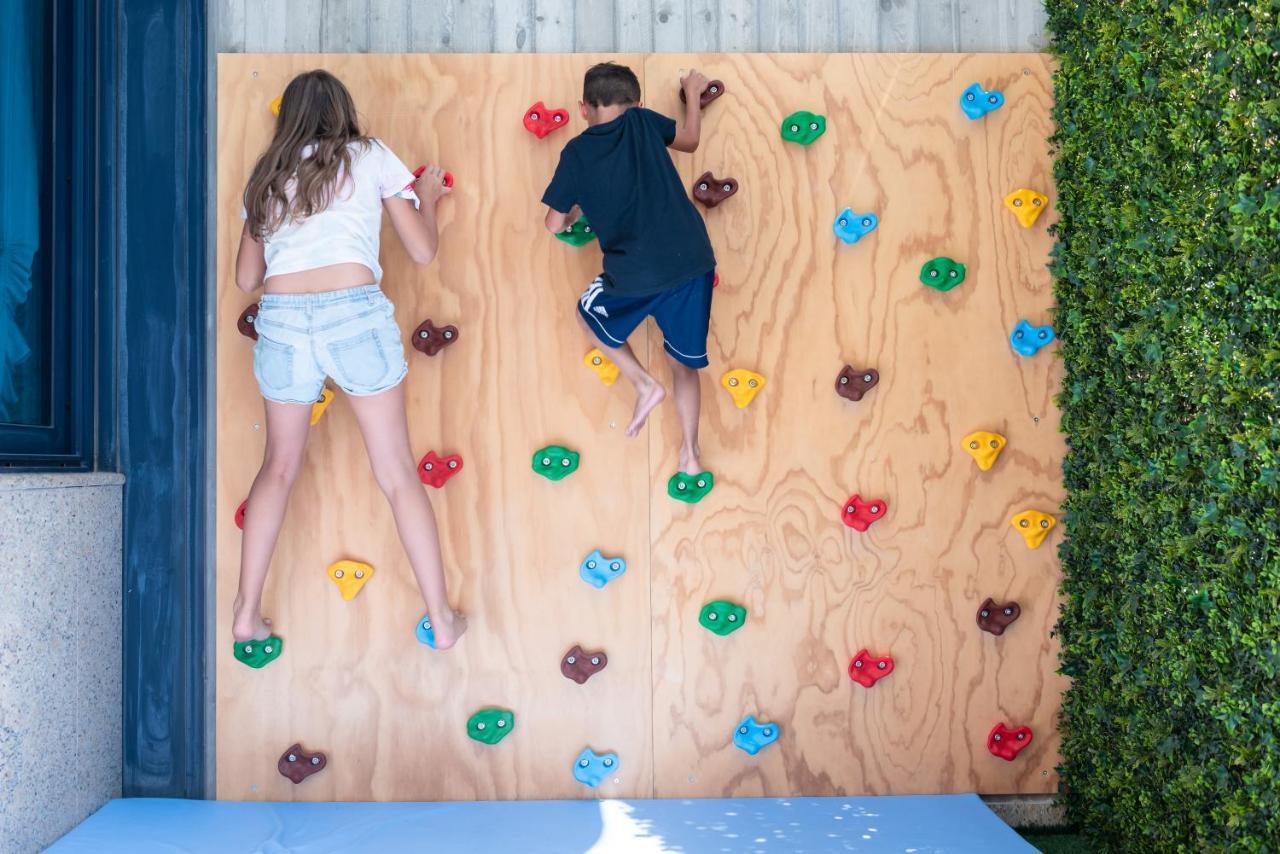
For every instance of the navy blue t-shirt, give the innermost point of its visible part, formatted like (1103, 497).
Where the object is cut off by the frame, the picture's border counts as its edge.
(620, 175)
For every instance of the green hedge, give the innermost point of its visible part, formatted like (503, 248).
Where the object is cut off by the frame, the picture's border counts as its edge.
(1167, 276)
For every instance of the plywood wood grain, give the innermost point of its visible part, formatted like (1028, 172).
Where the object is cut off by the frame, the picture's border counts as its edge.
(795, 305)
(353, 680)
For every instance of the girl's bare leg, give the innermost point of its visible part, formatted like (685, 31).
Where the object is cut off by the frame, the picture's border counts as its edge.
(287, 426)
(386, 438)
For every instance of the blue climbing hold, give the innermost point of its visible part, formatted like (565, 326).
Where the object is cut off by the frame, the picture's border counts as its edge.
(851, 227)
(977, 102)
(598, 570)
(1027, 339)
(425, 633)
(590, 767)
(752, 736)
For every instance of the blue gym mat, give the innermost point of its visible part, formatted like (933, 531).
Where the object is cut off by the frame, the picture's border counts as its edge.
(912, 823)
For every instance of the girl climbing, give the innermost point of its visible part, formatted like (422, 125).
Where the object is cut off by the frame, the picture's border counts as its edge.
(313, 211)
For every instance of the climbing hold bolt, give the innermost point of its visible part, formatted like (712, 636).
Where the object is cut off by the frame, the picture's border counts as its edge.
(598, 570)
(753, 736)
(580, 665)
(577, 234)
(942, 273)
(297, 764)
(258, 653)
(977, 102)
(852, 383)
(318, 408)
(540, 121)
(490, 726)
(984, 447)
(590, 768)
(690, 488)
(711, 190)
(1026, 205)
(598, 362)
(995, 618)
(851, 227)
(555, 462)
(867, 671)
(431, 339)
(722, 617)
(715, 89)
(247, 324)
(1008, 743)
(860, 515)
(1027, 339)
(435, 470)
(803, 127)
(350, 576)
(1034, 526)
(742, 385)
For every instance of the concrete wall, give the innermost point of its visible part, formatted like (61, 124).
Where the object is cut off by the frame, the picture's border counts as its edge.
(60, 661)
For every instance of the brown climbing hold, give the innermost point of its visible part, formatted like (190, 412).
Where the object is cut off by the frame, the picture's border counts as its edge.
(853, 384)
(711, 190)
(580, 665)
(714, 90)
(995, 618)
(247, 324)
(296, 764)
(431, 339)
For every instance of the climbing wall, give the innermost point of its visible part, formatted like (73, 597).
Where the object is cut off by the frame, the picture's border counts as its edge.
(794, 304)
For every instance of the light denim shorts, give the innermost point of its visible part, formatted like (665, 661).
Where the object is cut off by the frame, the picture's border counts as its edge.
(349, 335)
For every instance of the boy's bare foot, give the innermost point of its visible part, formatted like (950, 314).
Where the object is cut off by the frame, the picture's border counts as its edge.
(448, 632)
(689, 461)
(647, 398)
(247, 625)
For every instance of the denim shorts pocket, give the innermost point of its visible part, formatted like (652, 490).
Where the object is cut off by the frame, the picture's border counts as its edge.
(360, 361)
(273, 364)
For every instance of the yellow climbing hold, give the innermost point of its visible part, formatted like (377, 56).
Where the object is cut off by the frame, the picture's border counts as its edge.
(350, 576)
(742, 385)
(318, 408)
(1026, 205)
(984, 447)
(597, 361)
(1034, 526)
(275, 105)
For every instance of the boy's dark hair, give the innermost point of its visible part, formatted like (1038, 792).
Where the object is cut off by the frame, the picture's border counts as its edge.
(608, 83)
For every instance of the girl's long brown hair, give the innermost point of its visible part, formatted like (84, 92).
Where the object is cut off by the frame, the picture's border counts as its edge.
(315, 109)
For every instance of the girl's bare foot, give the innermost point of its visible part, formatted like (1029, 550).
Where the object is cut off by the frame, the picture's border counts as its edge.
(247, 624)
(447, 632)
(648, 396)
(690, 462)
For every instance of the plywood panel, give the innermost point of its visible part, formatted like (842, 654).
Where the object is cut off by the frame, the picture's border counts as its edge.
(353, 681)
(795, 305)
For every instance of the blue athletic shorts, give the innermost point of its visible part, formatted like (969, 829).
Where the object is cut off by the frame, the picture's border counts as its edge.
(683, 313)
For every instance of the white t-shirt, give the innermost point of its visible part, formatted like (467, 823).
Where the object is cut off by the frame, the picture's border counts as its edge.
(347, 231)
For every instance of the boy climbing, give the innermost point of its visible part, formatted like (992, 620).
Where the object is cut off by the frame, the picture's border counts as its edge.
(658, 260)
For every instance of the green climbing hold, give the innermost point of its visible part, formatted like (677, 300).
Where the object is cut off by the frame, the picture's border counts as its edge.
(491, 725)
(258, 653)
(942, 273)
(555, 462)
(803, 127)
(721, 617)
(577, 234)
(690, 488)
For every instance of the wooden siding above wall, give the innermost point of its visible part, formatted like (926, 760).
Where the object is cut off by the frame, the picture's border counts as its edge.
(561, 26)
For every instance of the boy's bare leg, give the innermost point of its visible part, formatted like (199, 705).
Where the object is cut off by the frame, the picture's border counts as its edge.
(649, 392)
(386, 438)
(287, 426)
(687, 389)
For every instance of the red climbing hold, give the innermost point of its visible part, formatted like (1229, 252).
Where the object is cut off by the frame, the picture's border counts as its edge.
(248, 322)
(715, 280)
(860, 515)
(240, 514)
(431, 339)
(1008, 743)
(540, 121)
(867, 671)
(435, 471)
(447, 180)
